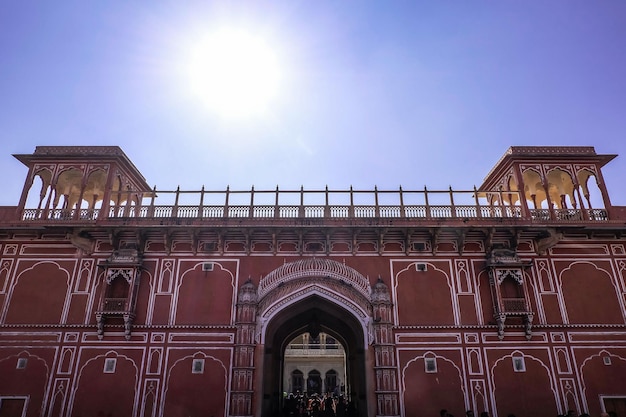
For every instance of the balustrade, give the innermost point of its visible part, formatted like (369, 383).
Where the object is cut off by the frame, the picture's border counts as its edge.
(288, 211)
(426, 204)
(114, 305)
(313, 350)
(515, 305)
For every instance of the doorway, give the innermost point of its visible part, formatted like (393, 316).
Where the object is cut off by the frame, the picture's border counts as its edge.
(13, 406)
(313, 316)
(314, 365)
(616, 405)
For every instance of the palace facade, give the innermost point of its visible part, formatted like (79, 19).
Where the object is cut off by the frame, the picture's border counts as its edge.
(120, 299)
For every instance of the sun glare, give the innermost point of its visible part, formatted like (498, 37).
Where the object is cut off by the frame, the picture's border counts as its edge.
(234, 74)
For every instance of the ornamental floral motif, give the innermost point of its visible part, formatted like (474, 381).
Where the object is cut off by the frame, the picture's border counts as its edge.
(126, 273)
(314, 267)
(516, 274)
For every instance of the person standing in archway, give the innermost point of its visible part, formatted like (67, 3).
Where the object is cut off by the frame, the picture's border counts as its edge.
(340, 407)
(315, 405)
(329, 405)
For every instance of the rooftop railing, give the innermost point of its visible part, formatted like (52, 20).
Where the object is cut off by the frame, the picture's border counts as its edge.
(295, 350)
(307, 204)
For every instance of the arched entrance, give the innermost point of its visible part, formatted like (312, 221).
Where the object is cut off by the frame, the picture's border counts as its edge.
(313, 313)
(314, 295)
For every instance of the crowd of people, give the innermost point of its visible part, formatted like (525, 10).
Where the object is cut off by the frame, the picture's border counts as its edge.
(303, 405)
(300, 404)
(468, 413)
(570, 413)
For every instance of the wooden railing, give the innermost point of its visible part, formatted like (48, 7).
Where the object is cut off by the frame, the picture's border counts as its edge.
(114, 305)
(515, 305)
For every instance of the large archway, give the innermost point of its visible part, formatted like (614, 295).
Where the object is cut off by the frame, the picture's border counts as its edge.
(314, 295)
(313, 313)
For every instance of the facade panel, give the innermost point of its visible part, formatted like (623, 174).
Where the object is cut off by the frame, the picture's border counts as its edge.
(509, 298)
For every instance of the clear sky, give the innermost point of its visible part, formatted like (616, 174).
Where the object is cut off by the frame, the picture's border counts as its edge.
(382, 93)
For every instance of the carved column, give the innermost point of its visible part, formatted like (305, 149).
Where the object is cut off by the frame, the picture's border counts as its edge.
(243, 361)
(81, 195)
(385, 367)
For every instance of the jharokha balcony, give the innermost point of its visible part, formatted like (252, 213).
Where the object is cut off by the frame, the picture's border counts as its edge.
(115, 305)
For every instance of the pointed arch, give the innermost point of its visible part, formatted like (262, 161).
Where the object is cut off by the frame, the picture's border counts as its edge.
(314, 267)
(611, 372)
(507, 380)
(296, 294)
(316, 310)
(533, 187)
(185, 388)
(46, 284)
(32, 380)
(324, 278)
(425, 392)
(581, 285)
(122, 383)
(561, 187)
(68, 185)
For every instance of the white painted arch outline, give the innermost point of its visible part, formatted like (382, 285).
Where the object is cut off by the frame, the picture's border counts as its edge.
(315, 289)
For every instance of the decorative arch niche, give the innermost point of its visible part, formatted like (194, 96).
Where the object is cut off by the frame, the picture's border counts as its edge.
(588, 185)
(40, 190)
(533, 188)
(68, 186)
(561, 189)
(44, 285)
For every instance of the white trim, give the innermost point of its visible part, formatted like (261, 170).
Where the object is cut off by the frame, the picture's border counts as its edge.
(197, 366)
(17, 397)
(305, 292)
(430, 365)
(518, 364)
(21, 363)
(602, 397)
(109, 365)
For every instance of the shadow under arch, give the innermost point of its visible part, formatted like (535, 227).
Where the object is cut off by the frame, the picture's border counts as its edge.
(313, 313)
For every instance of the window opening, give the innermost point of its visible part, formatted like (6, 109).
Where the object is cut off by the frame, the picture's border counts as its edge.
(518, 364)
(21, 363)
(109, 365)
(197, 366)
(430, 365)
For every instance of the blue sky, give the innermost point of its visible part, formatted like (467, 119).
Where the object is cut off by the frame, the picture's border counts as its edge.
(382, 93)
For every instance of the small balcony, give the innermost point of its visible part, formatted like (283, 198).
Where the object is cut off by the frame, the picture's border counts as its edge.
(115, 305)
(515, 306)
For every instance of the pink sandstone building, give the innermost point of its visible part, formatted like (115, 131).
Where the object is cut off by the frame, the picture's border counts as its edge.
(120, 299)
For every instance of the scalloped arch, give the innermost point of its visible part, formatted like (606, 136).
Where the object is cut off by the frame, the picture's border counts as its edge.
(314, 267)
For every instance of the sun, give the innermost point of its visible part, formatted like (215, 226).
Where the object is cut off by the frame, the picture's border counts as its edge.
(234, 74)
